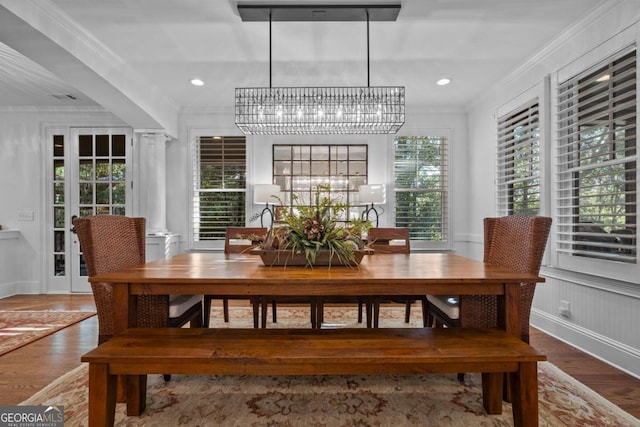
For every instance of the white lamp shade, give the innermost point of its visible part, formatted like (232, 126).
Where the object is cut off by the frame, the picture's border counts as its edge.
(373, 193)
(266, 193)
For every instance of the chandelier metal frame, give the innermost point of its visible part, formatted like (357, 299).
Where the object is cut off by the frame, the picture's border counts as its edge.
(319, 110)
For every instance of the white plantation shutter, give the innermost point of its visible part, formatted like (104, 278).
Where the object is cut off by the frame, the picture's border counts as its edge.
(219, 186)
(518, 161)
(421, 187)
(597, 160)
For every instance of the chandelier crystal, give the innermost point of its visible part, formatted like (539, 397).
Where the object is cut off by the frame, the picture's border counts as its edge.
(319, 110)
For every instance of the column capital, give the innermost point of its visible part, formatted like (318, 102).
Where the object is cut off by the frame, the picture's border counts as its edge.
(156, 136)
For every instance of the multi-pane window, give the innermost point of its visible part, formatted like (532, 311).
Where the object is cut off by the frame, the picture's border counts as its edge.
(518, 162)
(421, 186)
(597, 161)
(219, 182)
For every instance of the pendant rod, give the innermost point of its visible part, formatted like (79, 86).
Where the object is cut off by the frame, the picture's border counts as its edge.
(368, 73)
(269, 48)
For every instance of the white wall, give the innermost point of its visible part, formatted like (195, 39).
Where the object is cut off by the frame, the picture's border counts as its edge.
(604, 312)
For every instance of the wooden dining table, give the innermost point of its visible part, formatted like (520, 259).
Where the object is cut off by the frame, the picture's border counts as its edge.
(133, 352)
(239, 274)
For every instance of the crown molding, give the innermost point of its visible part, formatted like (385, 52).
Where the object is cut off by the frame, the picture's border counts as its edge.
(594, 15)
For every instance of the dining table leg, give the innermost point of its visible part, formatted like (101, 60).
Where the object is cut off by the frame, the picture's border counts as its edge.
(125, 314)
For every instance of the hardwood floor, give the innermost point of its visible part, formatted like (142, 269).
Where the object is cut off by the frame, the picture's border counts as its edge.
(26, 370)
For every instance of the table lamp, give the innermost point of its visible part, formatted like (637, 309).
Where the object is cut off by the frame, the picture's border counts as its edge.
(372, 194)
(266, 193)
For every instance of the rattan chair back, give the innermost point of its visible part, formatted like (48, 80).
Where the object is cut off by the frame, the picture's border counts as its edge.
(515, 242)
(112, 243)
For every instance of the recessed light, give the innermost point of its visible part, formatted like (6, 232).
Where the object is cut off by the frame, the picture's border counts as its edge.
(603, 78)
(197, 82)
(443, 81)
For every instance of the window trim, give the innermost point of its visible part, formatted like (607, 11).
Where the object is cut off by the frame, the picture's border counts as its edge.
(503, 158)
(194, 135)
(604, 53)
(424, 245)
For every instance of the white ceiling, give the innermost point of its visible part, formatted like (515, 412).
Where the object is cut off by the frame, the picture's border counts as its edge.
(136, 57)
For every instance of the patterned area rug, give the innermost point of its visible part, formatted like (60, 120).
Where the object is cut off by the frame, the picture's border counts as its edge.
(345, 400)
(19, 328)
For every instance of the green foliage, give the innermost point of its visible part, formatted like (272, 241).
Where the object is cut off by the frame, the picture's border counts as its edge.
(311, 229)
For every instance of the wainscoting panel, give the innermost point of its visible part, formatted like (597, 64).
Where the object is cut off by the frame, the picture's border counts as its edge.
(602, 318)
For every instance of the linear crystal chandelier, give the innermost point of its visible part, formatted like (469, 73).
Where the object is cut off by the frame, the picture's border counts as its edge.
(319, 110)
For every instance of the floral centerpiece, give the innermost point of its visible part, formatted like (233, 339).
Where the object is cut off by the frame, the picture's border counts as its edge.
(316, 233)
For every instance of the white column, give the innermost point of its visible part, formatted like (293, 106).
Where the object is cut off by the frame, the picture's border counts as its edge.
(153, 185)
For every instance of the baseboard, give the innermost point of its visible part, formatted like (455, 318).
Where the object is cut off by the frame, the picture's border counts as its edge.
(612, 352)
(19, 288)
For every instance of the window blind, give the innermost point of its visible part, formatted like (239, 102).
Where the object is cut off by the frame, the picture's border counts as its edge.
(421, 187)
(596, 158)
(219, 186)
(518, 161)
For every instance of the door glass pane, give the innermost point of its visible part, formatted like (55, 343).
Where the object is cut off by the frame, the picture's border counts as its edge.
(118, 170)
(102, 193)
(58, 265)
(118, 193)
(85, 146)
(83, 267)
(102, 145)
(58, 170)
(58, 146)
(58, 242)
(103, 210)
(118, 146)
(102, 170)
(58, 214)
(86, 170)
(86, 194)
(58, 193)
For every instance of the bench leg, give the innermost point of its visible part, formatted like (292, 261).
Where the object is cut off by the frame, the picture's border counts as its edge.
(136, 394)
(524, 386)
(102, 395)
(492, 392)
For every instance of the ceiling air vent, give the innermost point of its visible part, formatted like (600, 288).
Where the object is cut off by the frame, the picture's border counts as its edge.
(64, 96)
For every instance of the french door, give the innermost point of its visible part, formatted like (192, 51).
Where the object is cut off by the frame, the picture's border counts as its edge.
(91, 176)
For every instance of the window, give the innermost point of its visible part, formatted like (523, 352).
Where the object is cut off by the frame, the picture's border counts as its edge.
(219, 182)
(421, 187)
(597, 162)
(519, 161)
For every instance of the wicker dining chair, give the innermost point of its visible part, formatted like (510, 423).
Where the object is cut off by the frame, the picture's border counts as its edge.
(232, 233)
(393, 240)
(112, 242)
(515, 242)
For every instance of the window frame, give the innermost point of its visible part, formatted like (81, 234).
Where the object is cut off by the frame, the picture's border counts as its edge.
(424, 244)
(194, 137)
(506, 174)
(606, 53)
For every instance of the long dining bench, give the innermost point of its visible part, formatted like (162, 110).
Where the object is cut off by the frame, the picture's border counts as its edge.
(138, 352)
